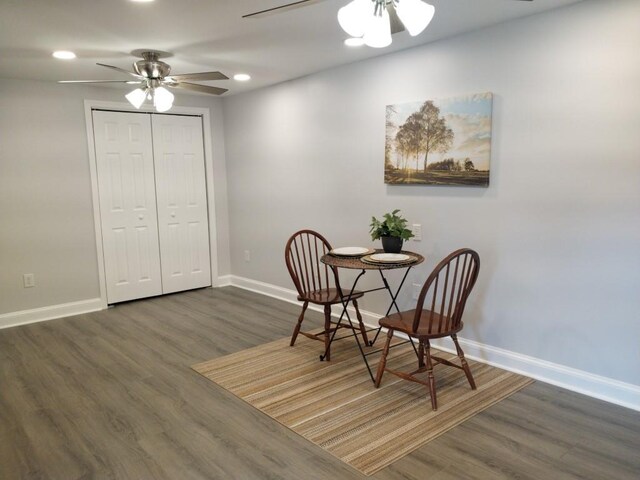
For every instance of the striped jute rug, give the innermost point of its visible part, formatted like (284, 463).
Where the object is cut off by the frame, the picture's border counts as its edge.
(335, 405)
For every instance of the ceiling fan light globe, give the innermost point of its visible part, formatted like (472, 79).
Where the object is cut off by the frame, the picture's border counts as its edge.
(415, 15)
(354, 42)
(378, 31)
(162, 99)
(136, 97)
(164, 108)
(353, 17)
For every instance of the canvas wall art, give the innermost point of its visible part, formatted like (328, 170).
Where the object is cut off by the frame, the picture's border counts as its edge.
(439, 142)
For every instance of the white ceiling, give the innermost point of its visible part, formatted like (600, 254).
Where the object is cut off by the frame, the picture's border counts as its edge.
(206, 35)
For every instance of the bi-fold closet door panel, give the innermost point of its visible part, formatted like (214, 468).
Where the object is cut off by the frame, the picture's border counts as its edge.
(127, 192)
(182, 202)
(153, 203)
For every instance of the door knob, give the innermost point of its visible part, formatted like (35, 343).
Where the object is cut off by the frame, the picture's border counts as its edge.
(173, 214)
(140, 217)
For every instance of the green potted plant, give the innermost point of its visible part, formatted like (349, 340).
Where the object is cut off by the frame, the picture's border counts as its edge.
(392, 231)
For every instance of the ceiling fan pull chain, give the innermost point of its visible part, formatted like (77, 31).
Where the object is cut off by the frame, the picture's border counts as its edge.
(380, 6)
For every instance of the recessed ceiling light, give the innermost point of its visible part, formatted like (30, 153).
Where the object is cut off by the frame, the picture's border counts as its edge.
(142, 1)
(64, 55)
(354, 42)
(241, 77)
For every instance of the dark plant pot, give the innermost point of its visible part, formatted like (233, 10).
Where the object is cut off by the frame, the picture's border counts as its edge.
(391, 244)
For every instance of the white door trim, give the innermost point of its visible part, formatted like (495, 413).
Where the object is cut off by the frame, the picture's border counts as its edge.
(205, 114)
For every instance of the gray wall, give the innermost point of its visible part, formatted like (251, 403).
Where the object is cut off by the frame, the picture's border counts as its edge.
(558, 230)
(46, 214)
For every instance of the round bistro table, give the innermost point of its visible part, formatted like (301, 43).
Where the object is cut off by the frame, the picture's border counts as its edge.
(356, 263)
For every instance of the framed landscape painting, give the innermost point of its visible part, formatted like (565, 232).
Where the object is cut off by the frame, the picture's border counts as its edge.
(439, 142)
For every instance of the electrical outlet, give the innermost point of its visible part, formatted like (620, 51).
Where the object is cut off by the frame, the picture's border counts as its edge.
(416, 290)
(247, 255)
(416, 229)
(29, 280)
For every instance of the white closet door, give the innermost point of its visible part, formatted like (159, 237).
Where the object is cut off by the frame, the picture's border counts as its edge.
(124, 158)
(182, 202)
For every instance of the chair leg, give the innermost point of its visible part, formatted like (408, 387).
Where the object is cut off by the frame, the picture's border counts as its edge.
(383, 358)
(363, 329)
(432, 382)
(327, 333)
(420, 353)
(465, 365)
(296, 330)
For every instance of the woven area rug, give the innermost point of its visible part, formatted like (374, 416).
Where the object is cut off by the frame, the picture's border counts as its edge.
(336, 406)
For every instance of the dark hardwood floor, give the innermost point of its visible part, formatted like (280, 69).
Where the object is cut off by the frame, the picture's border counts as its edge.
(111, 395)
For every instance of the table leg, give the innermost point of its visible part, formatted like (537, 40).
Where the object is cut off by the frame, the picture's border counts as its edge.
(344, 312)
(345, 304)
(393, 300)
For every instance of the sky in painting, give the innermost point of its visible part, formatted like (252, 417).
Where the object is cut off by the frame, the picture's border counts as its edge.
(469, 117)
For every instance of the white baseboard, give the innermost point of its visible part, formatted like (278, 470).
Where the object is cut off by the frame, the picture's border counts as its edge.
(597, 386)
(24, 317)
(268, 289)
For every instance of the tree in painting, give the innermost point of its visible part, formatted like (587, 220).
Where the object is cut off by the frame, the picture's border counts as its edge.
(388, 140)
(437, 136)
(439, 142)
(412, 139)
(468, 165)
(423, 131)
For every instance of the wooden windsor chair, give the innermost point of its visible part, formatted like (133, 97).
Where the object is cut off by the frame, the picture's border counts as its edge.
(313, 279)
(446, 291)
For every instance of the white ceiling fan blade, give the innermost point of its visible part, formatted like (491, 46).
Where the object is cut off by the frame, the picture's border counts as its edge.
(281, 8)
(199, 76)
(118, 69)
(130, 82)
(197, 88)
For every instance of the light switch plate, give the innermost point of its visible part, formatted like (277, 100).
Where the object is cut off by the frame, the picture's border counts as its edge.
(416, 229)
(29, 280)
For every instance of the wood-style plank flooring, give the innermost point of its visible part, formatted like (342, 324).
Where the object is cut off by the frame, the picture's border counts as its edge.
(111, 395)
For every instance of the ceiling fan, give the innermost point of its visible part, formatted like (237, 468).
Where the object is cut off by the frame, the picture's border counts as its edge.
(152, 75)
(395, 23)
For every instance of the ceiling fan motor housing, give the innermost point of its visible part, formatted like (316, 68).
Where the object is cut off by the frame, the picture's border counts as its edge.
(151, 67)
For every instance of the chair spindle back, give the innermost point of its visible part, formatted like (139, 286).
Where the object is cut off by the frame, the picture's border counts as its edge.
(302, 255)
(446, 291)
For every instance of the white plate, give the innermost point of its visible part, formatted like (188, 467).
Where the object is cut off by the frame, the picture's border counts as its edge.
(389, 257)
(350, 251)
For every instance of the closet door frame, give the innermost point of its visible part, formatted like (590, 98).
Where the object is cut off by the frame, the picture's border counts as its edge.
(204, 114)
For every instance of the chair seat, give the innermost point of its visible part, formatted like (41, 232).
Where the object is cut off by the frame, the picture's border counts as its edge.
(328, 296)
(403, 322)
